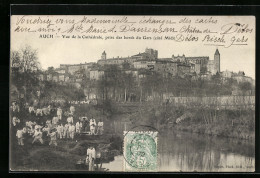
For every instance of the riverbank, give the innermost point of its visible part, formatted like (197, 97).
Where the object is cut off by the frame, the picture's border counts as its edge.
(223, 131)
(225, 123)
(235, 123)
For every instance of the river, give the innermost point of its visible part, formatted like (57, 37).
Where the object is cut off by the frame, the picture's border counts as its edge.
(188, 152)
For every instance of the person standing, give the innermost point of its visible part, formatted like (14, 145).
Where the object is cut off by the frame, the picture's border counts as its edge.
(59, 113)
(60, 131)
(70, 120)
(72, 131)
(72, 110)
(78, 127)
(92, 124)
(100, 128)
(39, 112)
(15, 121)
(15, 109)
(37, 135)
(87, 126)
(55, 121)
(66, 131)
(31, 110)
(19, 135)
(91, 156)
(53, 138)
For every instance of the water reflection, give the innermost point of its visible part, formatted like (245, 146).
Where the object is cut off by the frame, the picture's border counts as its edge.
(193, 152)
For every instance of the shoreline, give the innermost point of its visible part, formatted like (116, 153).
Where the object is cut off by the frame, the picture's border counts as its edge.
(207, 131)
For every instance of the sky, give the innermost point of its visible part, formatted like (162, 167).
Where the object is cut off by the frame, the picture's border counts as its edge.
(56, 51)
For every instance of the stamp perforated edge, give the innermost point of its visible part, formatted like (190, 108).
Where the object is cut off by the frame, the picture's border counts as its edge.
(124, 147)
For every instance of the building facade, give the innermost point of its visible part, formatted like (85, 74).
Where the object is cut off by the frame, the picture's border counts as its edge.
(202, 63)
(96, 74)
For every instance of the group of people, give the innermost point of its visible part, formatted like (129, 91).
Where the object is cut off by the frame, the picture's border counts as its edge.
(76, 102)
(37, 133)
(91, 127)
(55, 126)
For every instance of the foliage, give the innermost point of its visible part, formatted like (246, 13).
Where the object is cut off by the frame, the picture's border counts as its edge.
(26, 59)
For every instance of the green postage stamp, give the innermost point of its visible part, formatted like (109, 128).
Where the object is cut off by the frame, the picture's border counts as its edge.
(140, 151)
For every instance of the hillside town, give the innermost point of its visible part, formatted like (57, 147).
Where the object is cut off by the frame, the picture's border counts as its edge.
(199, 67)
(177, 66)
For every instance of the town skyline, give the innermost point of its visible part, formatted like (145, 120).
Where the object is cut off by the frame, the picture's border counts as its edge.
(111, 53)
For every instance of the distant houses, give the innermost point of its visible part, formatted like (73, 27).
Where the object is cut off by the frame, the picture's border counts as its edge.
(175, 66)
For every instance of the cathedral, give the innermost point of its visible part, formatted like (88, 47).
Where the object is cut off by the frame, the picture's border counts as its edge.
(173, 65)
(202, 63)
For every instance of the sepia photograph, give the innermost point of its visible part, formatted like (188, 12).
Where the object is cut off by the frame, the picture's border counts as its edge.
(132, 93)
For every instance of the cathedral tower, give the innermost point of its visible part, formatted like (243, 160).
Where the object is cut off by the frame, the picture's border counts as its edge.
(104, 55)
(217, 61)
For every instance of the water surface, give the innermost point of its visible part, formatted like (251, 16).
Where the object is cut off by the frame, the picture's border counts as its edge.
(202, 153)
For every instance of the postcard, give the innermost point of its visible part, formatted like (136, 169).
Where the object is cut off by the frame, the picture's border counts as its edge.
(109, 93)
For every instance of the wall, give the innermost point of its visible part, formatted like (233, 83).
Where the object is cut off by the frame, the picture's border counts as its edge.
(231, 102)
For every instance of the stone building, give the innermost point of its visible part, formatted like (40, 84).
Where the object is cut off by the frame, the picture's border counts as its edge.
(49, 77)
(72, 68)
(183, 69)
(144, 64)
(149, 54)
(55, 77)
(166, 68)
(61, 77)
(96, 74)
(113, 61)
(202, 64)
(60, 70)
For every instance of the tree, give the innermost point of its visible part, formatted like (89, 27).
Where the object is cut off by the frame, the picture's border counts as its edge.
(26, 58)
(50, 69)
(245, 86)
(25, 61)
(127, 81)
(126, 65)
(15, 58)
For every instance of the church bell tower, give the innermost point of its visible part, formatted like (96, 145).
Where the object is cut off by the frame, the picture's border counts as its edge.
(217, 61)
(104, 55)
